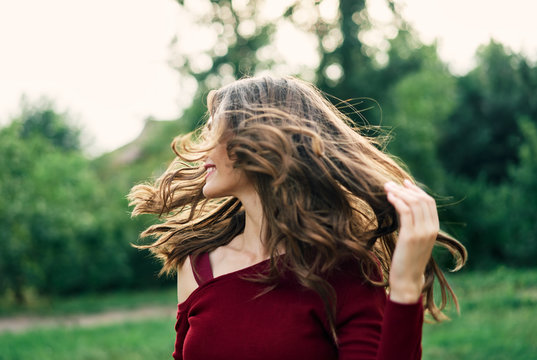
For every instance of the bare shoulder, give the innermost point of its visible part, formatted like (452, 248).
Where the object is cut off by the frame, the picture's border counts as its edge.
(186, 283)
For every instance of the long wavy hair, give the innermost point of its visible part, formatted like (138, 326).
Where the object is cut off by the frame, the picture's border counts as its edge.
(319, 179)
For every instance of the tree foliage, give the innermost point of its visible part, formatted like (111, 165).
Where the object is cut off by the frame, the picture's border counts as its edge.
(415, 117)
(41, 120)
(482, 136)
(62, 229)
(520, 195)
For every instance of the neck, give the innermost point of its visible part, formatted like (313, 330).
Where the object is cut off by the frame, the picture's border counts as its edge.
(252, 239)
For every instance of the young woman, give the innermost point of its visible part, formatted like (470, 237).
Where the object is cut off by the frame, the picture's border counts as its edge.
(293, 236)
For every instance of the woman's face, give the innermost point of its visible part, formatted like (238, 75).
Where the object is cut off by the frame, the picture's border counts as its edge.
(221, 178)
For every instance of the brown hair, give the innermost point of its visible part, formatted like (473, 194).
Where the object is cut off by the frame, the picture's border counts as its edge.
(319, 180)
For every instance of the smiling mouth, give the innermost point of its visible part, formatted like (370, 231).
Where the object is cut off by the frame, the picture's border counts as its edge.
(210, 169)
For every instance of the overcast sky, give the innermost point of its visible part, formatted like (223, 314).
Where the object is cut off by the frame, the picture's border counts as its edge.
(106, 61)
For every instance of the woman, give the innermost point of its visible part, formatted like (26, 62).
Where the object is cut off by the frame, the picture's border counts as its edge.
(292, 235)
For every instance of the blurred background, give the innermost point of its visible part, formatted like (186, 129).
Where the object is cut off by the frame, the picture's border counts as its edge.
(92, 93)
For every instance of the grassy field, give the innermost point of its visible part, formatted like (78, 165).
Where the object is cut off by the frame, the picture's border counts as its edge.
(497, 322)
(134, 341)
(91, 303)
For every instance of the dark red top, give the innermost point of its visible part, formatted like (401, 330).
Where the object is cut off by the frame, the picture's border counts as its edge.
(224, 318)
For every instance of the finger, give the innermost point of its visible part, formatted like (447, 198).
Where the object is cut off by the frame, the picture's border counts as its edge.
(429, 205)
(413, 187)
(403, 210)
(416, 189)
(412, 199)
(426, 201)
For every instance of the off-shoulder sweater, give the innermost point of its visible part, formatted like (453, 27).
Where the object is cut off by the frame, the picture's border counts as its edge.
(227, 318)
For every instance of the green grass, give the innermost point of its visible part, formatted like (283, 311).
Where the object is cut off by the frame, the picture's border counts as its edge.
(150, 339)
(91, 303)
(497, 322)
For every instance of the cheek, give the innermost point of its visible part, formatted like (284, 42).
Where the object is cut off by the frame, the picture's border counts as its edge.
(232, 176)
(228, 168)
(243, 180)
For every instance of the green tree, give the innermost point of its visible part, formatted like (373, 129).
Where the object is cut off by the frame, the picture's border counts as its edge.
(364, 80)
(482, 135)
(519, 196)
(485, 151)
(497, 221)
(350, 57)
(244, 45)
(41, 119)
(56, 219)
(419, 105)
(234, 54)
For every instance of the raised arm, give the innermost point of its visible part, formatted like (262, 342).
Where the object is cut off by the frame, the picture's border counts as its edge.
(374, 327)
(418, 229)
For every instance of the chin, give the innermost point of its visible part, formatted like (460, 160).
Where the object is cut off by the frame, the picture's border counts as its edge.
(207, 194)
(211, 193)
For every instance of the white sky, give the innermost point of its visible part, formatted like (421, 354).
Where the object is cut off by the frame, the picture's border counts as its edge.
(106, 61)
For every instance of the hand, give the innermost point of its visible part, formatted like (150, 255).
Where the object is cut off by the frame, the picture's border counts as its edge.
(418, 229)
